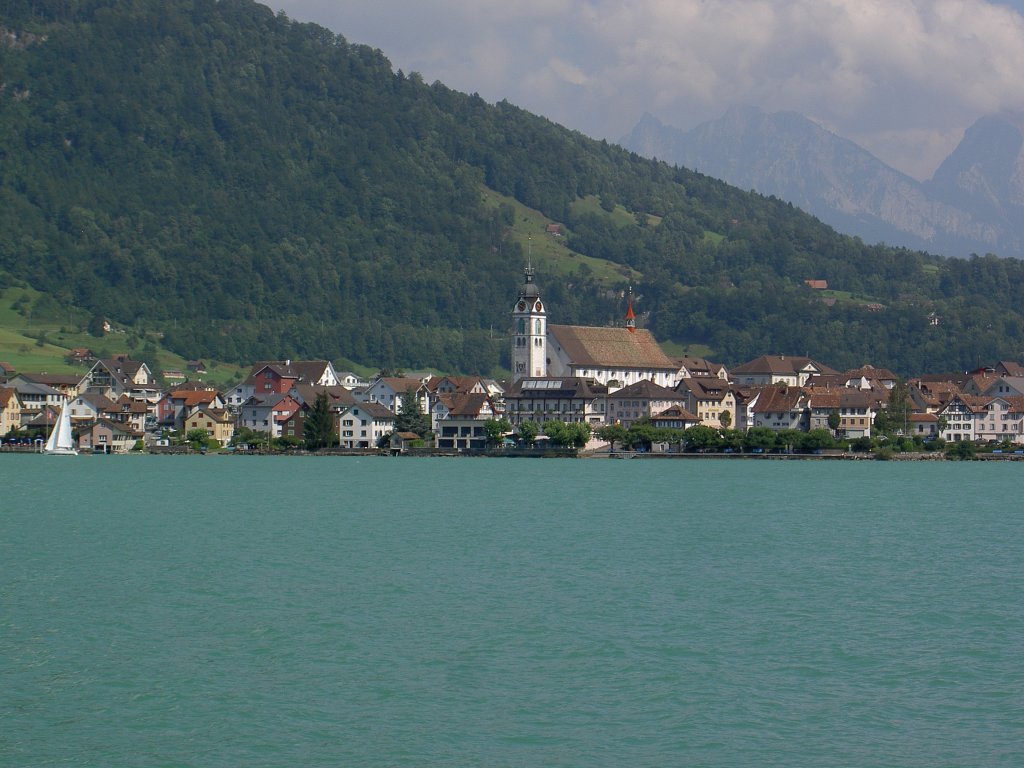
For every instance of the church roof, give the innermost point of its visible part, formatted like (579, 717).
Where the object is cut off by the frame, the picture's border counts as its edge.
(610, 347)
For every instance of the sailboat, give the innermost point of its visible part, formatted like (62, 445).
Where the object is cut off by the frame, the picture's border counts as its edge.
(61, 442)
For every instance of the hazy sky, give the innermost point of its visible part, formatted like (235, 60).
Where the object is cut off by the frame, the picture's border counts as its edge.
(903, 78)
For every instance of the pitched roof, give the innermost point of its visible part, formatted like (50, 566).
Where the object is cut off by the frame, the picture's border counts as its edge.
(466, 405)
(645, 388)
(190, 397)
(590, 347)
(373, 410)
(705, 388)
(781, 365)
(675, 412)
(1010, 367)
(338, 395)
(778, 399)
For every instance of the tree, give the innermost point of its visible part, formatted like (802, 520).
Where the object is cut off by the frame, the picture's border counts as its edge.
(496, 429)
(197, 437)
(568, 435)
(97, 326)
(941, 424)
(834, 420)
(410, 418)
(612, 434)
(702, 438)
(318, 428)
(528, 431)
(898, 409)
(817, 439)
(725, 419)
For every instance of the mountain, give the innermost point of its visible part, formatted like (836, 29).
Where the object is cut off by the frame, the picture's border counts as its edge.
(789, 156)
(241, 186)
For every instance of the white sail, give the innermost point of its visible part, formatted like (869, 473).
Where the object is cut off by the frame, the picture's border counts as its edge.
(61, 442)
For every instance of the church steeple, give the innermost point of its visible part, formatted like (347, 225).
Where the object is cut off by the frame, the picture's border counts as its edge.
(630, 317)
(529, 330)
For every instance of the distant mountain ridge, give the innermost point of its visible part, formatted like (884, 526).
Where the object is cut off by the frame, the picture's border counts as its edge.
(973, 203)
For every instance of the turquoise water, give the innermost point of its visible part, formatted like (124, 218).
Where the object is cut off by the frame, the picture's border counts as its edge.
(229, 611)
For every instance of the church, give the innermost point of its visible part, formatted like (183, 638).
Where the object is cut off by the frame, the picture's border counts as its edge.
(612, 357)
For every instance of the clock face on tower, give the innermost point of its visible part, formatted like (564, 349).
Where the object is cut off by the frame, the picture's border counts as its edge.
(538, 306)
(521, 306)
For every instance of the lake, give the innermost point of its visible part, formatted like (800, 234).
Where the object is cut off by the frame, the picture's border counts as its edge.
(337, 611)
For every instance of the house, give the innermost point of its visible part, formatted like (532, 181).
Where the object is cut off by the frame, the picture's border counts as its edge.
(867, 376)
(710, 398)
(1003, 419)
(269, 413)
(1012, 386)
(130, 412)
(962, 414)
(362, 425)
(10, 411)
(698, 367)
(675, 417)
(217, 422)
(175, 406)
(930, 395)
(196, 366)
(457, 420)
(88, 408)
(33, 395)
(817, 285)
(105, 436)
(640, 400)
(388, 391)
(279, 376)
(779, 369)
(338, 396)
(555, 398)
(857, 412)
(1009, 368)
(349, 380)
(923, 425)
(68, 385)
(120, 375)
(81, 356)
(781, 407)
(401, 442)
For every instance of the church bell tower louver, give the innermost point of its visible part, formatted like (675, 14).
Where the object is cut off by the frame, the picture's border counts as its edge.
(529, 331)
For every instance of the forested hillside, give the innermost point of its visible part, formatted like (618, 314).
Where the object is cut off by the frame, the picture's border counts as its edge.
(253, 187)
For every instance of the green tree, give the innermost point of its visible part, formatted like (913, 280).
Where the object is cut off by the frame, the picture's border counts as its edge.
(898, 409)
(318, 427)
(964, 450)
(496, 429)
(612, 434)
(197, 437)
(410, 416)
(816, 439)
(702, 438)
(528, 431)
(834, 420)
(725, 419)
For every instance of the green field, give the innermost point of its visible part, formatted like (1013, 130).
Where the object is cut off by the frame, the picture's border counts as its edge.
(550, 252)
(37, 335)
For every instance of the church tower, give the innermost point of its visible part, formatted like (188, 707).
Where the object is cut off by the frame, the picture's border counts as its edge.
(529, 332)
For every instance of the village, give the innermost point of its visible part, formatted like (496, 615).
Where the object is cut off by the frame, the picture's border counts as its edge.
(591, 377)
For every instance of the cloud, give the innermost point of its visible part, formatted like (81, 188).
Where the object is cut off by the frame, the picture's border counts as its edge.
(903, 77)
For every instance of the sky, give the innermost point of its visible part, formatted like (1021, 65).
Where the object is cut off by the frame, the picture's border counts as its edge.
(902, 78)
